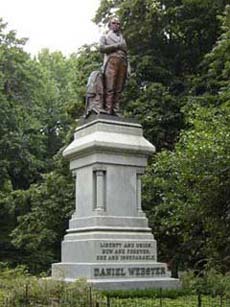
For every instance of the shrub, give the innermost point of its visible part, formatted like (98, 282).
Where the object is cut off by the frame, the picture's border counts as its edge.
(147, 293)
(18, 288)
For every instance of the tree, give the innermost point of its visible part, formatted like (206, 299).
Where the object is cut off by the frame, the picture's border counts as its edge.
(167, 41)
(189, 186)
(42, 214)
(38, 98)
(29, 104)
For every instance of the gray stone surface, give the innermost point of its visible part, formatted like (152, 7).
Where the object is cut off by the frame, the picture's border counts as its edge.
(108, 241)
(136, 283)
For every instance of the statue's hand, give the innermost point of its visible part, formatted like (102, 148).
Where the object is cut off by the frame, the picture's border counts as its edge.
(122, 46)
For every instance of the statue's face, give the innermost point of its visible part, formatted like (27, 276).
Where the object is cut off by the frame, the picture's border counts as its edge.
(115, 25)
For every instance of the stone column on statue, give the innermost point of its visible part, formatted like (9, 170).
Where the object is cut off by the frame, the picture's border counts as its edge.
(138, 185)
(99, 178)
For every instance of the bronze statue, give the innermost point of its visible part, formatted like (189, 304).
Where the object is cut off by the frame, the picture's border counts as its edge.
(114, 72)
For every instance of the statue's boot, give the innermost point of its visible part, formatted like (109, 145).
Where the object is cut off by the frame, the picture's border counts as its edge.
(109, 103)
(116, 104)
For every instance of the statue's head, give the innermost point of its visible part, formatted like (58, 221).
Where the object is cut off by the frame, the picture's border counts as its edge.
(114, 24)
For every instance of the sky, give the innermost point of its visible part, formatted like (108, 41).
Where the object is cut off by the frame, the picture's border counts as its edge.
(63, 25)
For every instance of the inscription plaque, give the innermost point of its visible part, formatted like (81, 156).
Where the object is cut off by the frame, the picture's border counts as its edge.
(136, 272)
(126, 251)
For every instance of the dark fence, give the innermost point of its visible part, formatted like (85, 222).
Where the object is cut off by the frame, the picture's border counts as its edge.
(189, 301)
(91, 298)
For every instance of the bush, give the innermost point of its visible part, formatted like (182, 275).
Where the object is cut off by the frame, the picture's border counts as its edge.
(18, 288)
(148, 293)
(209, 282)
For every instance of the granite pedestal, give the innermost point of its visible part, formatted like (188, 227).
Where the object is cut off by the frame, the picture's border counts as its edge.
(108, 241)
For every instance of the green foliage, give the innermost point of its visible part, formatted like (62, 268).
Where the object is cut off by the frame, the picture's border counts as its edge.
(147, 293)
(34, 122)
(19, 148)
(18, 288)
(191, 194)
(171, 35)
(190, 301)
(87, 60)
(186, 191)
(42, 213)
(209, 282)
(161, 117)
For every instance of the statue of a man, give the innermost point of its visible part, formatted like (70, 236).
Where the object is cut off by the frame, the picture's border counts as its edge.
(114, 48)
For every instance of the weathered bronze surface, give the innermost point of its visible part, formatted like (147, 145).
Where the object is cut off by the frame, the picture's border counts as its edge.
(104, 88)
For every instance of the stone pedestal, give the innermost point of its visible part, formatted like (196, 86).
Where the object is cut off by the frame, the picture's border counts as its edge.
(108, 241)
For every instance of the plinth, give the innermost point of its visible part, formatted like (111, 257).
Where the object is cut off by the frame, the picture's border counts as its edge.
(108, 241)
